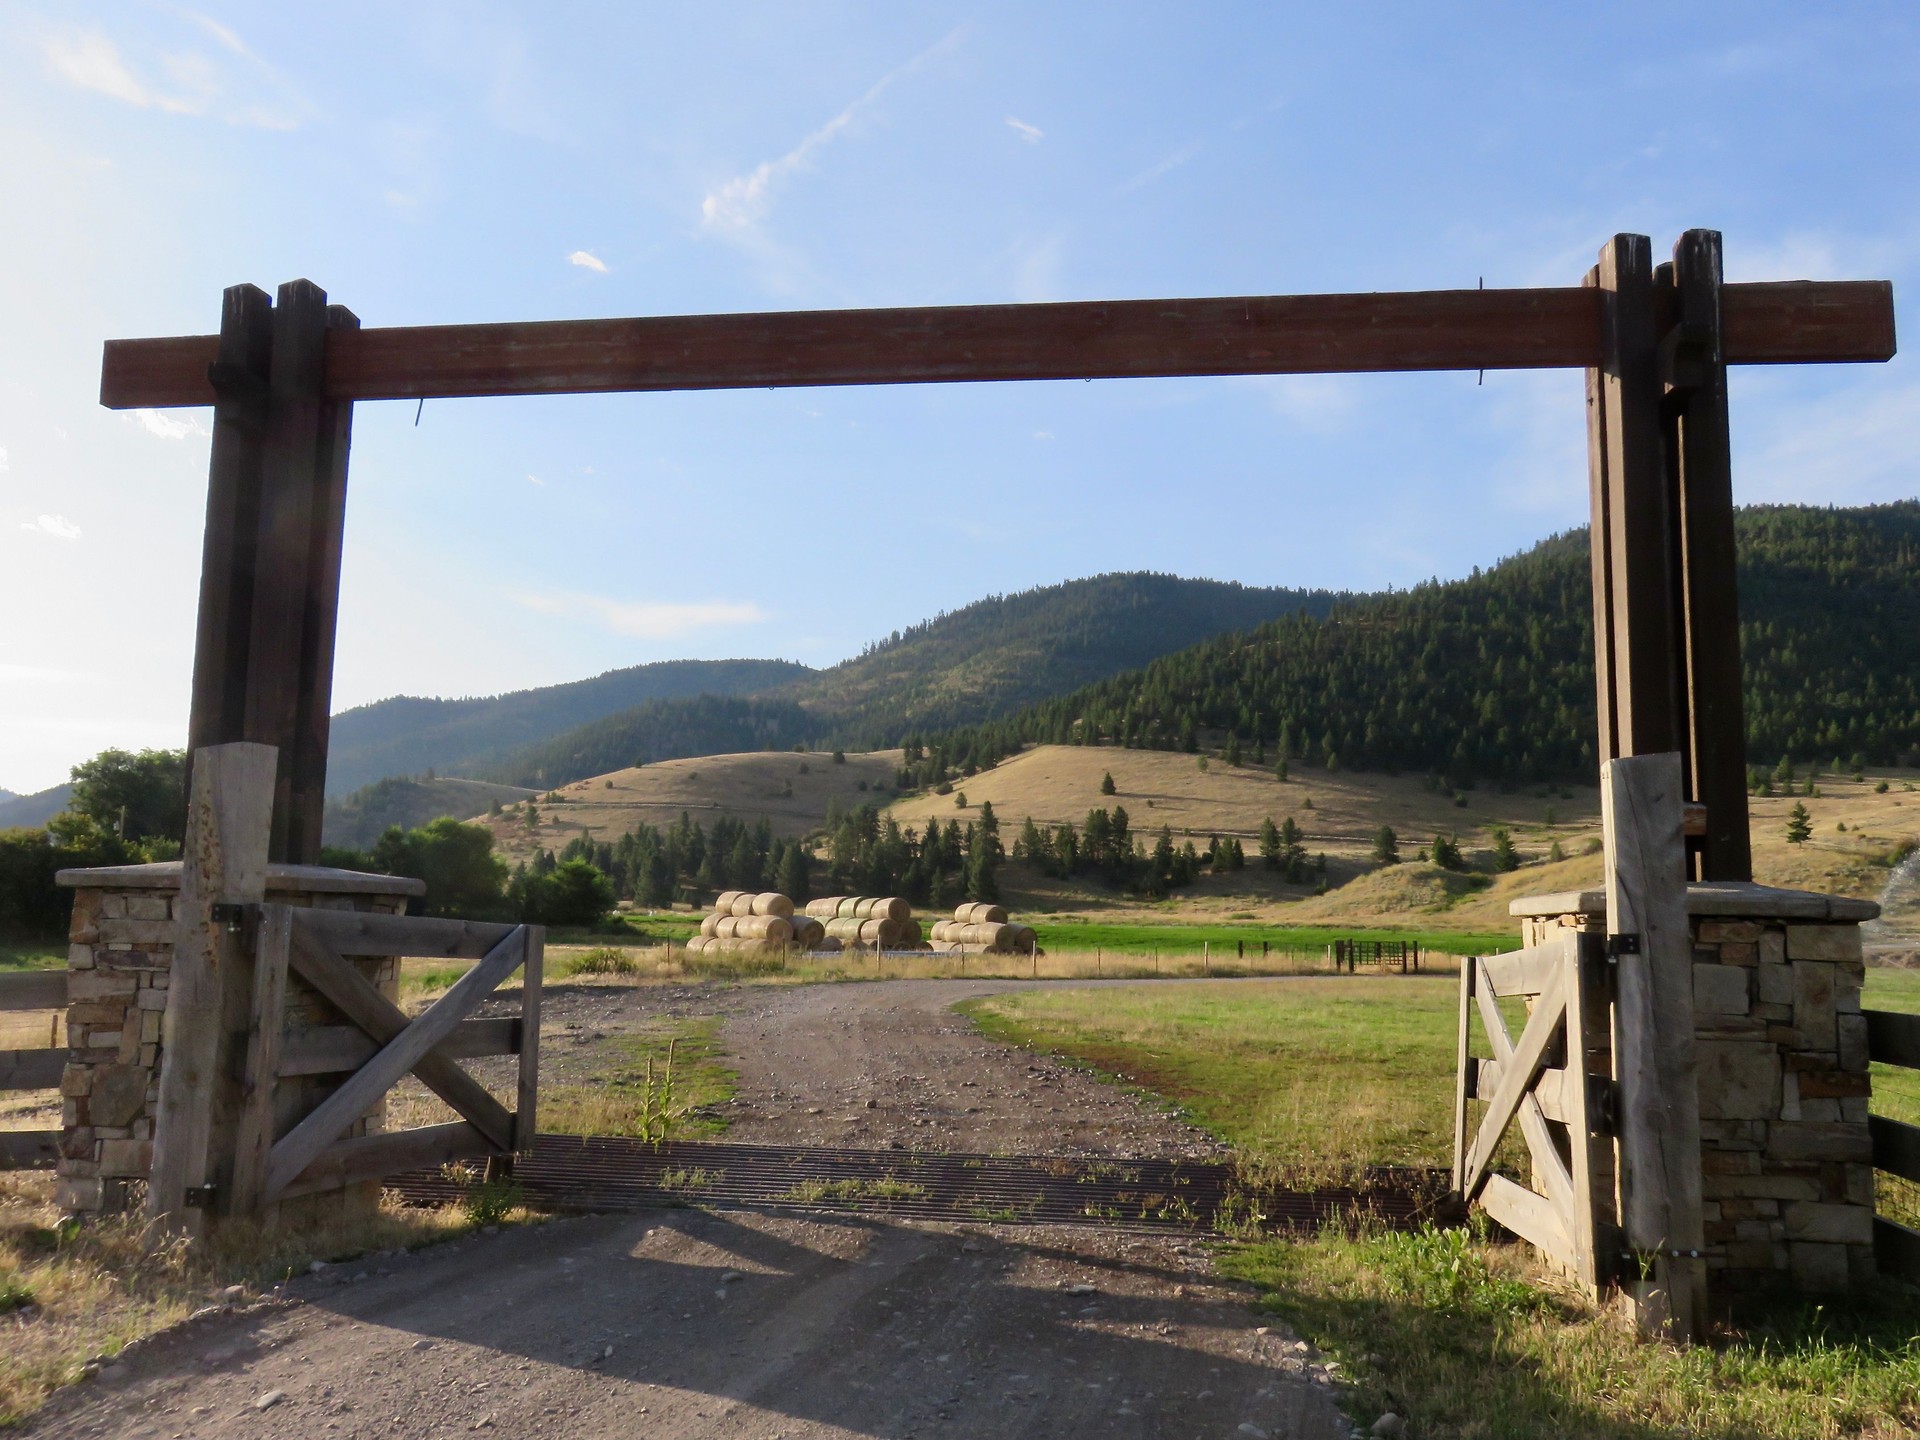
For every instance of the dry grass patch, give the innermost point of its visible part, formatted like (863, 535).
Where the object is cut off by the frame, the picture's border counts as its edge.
(72, 1294)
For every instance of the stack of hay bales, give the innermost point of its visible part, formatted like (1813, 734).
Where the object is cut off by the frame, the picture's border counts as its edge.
(978, 928)
(868, 922)
(764, 923)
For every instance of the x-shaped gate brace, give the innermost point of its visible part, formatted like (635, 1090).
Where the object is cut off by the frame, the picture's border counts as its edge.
(1555, 1081)
(377, 1049)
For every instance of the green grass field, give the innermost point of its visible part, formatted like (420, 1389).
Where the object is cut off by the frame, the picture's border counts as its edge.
(1309, 1076)
(32, 955)
(1463, 1337)
(1171, 939)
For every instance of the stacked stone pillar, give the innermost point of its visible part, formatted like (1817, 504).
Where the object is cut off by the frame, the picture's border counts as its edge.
(119, 963)
(1781, 1048)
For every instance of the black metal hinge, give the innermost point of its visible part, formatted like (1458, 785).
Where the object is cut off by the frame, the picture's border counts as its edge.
(1626, 944)
(197, 1197)
(234, 917)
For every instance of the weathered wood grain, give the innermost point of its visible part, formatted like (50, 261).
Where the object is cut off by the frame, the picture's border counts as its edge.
(1793, 322)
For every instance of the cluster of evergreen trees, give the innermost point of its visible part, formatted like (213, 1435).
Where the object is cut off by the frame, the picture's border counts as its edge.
(1490, 678)
(871, 854)
(655, 866)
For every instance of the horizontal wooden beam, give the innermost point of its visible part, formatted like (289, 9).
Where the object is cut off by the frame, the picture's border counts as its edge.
(1765, 324)
(355, 932)
(1897, 1249)
(34, 990)
(29, 1149)
(1893, 1037)
(374, 1157)
(335, 1049)
(32, 1069)
(1896, 1147)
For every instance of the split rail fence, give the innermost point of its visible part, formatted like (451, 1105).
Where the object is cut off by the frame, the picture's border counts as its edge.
(1894, 1039)
(38, 1069)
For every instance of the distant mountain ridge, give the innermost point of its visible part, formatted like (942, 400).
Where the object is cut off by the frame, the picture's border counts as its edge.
(1491, 677)
(28, 812)
(984, 660)
(408, 735)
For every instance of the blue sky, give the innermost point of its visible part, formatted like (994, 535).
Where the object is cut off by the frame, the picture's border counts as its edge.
(440, 163)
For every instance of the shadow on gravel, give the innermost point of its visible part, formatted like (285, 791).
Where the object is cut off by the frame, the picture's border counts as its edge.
(875, 1328)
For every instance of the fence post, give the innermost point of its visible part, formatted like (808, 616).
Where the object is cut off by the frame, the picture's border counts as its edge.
(224, 862)
(1640, 798)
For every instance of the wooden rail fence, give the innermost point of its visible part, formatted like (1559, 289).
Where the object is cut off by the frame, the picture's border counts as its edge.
(32, 1069)
(1894, 1039)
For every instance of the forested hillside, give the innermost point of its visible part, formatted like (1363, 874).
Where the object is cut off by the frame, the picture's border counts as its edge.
(1491, 677)
(408, 736)
(981, 662)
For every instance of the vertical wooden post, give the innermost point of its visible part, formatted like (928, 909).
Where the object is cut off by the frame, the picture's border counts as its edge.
(225, 624)
(1659, 1120)
(265, 1027)
(1694, 375)
(532, 970)
(1637, 617)
(224, 862)
(1462, 1091)
(320, 618)
(1589, 1165)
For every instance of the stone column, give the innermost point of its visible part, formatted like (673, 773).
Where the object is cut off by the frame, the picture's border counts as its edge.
(119, 959)
(1786, 1156)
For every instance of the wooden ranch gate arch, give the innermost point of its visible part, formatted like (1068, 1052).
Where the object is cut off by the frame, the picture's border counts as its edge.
(1655, 341)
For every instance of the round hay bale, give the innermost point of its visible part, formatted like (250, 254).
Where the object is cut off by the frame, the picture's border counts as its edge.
(848, 905)
(994, 937)
(892, 908)
(828, 946)
(1024, 938)
(807, 931)
(824, 909)
(742, 904)
(724, 905)
(863, 908)
(775, 928)
(723, 927)
(772, 902)
(873, 933)
(940, 929)
(708, 925)
(979, 912)
(845, 928)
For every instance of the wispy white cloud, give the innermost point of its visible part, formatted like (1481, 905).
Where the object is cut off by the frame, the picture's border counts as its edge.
(58, 526)
(587, 260)
(645, 619)
(536, 480)
(170, 427)
(740, 204)
(1851, 446)
(1032, 134)
(1155, 171)
(175, 76)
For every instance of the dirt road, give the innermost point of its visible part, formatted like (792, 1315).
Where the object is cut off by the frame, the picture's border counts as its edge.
(743, 1324)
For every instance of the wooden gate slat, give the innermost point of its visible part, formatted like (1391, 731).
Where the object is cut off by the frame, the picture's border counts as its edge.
(374, 1157)
(352, 932)
(356, 998)
(1532, 1217)
(253, 1137)
(330, 1119)
(1525, 1061)
(1548, 1012)
(527, 1103)
(336, 1049)
(1521, 972)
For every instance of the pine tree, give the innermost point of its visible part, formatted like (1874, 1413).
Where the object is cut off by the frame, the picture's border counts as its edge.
(793, 873)
(1280, 770)
(1386, 846)
(1233, 750)
(1799, 825)
(1505, 857)
(1106, 784)
(1269, 844)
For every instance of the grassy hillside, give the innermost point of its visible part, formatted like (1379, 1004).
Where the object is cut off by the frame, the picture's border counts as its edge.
(357, 821)
(791, 791)
(1055, 783)
(1492, 676)
(407, 735)
(977, 663)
